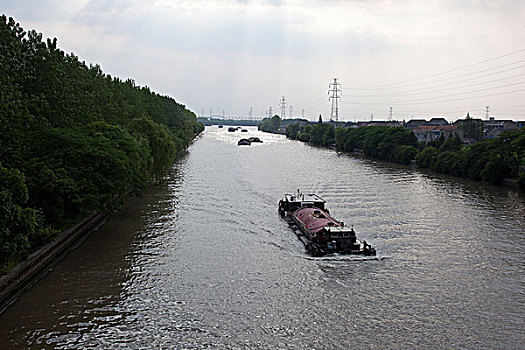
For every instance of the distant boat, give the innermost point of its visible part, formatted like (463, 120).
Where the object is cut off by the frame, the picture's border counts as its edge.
(254, 139)
(244, 142)
(230, 129)
(244, 130)
(220, 126)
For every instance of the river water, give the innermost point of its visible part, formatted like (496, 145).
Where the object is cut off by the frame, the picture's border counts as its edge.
(205, 261)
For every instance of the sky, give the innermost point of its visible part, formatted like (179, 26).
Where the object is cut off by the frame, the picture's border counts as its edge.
(423, 59)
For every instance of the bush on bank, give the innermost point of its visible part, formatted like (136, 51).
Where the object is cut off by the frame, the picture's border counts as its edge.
(392, 144)
(73, 140)
(489, 160)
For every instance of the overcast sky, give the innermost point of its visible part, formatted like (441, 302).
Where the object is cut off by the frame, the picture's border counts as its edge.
(422, 58)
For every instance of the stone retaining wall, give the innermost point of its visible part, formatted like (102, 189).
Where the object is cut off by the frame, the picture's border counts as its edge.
(14, 283)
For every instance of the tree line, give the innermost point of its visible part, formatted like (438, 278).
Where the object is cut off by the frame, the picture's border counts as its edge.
(491, 160)
(381, 142)
(73, 140)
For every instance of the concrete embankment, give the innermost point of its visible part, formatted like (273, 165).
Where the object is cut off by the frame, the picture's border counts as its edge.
(35, 266)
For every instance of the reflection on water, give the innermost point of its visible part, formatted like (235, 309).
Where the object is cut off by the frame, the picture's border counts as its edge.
(204, 261)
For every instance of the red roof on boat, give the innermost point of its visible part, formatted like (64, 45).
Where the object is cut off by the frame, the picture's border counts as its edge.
(315, 219)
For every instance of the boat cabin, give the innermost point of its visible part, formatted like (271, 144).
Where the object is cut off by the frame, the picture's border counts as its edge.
(292, 202)
(342, 238)
(340, 232)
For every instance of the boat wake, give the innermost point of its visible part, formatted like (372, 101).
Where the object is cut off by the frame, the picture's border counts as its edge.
(338, 257)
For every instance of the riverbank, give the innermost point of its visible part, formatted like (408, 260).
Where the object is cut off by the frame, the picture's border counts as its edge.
(27, 272)
(17, 280)
(491, 170)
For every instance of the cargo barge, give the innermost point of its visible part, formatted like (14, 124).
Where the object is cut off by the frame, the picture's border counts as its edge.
(317, 229)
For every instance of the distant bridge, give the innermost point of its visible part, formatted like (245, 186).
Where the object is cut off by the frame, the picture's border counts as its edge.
(220, 117)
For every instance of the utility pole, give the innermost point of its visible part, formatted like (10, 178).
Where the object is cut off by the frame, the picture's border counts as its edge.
(371, 117)
(302, 113)
(291, 115)
(210, 113)
(282, 105)
(223, 114)
(251, 112)
(202, 112)
(390, 119)
(487, 112)
(270, 112)
(334, 90)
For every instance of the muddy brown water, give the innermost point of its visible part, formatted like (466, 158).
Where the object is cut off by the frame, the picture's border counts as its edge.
(204, 261)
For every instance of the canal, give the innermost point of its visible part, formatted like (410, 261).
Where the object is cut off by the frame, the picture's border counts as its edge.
(204, 261)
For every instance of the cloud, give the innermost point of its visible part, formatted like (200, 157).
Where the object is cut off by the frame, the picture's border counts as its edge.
(292, 47)
(44, 10)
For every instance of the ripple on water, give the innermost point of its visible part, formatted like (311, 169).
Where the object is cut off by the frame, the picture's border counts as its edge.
(204, 261)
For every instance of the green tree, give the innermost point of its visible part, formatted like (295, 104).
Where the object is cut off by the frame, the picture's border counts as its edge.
(292, 130)
(380, 142)
(276, 122)
(270, 124)
(427, 157)
(161, 146)
(80, 139)
(404, 154)
(472, 128)
(17, 224)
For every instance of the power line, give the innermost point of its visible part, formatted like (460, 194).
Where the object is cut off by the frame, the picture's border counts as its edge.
(422, 90)
(319, 98)
(442, 73)
(466, 75)
(509, 114)
(310, 99)
(461, 93)
(510, 107)
(475, 109)
(439, 101)
(465, 98)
